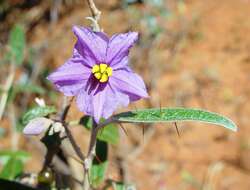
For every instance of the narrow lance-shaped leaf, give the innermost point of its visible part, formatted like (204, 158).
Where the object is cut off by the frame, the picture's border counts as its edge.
(174, 115)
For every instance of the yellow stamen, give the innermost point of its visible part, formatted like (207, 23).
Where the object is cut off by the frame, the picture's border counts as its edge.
(109, 71)
(104, 77)
(95, 69)
(103, 67)
(102, 72)
(98, 75)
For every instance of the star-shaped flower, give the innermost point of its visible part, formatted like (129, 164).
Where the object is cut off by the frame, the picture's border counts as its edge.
(98, 73)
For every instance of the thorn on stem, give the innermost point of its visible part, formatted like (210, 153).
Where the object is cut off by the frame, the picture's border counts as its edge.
(98, 159)
(123, 128)
(177, 130)
(143, 131)
(135, 107)
(160, 108)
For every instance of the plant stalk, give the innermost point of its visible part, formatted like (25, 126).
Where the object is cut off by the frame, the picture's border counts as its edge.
(90, 156)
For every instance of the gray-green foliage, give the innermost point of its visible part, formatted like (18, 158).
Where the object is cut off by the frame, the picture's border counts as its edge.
(174, 115)
(38, 111)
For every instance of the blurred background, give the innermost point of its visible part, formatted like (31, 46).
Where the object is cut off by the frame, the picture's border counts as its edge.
(191, 53)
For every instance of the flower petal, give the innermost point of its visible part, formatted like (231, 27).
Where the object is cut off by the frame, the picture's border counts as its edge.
(93, 44)
(119, 45)
(102, 103)
(80, 52)
(128, 82)
(123, 64)
(70, 77)
(37, 126)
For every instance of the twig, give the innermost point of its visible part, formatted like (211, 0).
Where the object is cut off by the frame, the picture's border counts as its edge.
(68, 132)
(90, 156)
(54, 11)
(51, 153)
(6, 89)
(66, 110)
(14, 133)
(73, 142)
(74, 158)
(96, 14)
(3, 102)
(91, 150)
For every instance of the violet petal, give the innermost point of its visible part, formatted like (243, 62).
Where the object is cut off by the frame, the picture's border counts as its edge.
(129, 83)
(70, 77)
(102, 103)
(92, 43)
(119, 46)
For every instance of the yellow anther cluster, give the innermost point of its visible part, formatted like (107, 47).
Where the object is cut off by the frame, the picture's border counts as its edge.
(102, 72)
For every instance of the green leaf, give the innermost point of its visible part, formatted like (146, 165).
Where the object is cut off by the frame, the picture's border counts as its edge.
(100, 164)
(39, 111)
(174, 115)
(17, 44)
(22, 155)
(97, 174)
(12, 168)
(87, 122)
(109, 133)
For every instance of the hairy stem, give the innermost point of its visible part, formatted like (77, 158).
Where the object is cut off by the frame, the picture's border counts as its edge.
(73, 142)
(90, 156)
(66, 110)
(3, 103)
(63, 117)
(94, 11)
(6, 88)
(96, 14)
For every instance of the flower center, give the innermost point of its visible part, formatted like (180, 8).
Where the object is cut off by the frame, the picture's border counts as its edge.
(102, 72)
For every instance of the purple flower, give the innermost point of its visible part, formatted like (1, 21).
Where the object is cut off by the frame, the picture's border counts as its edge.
(98, 73)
